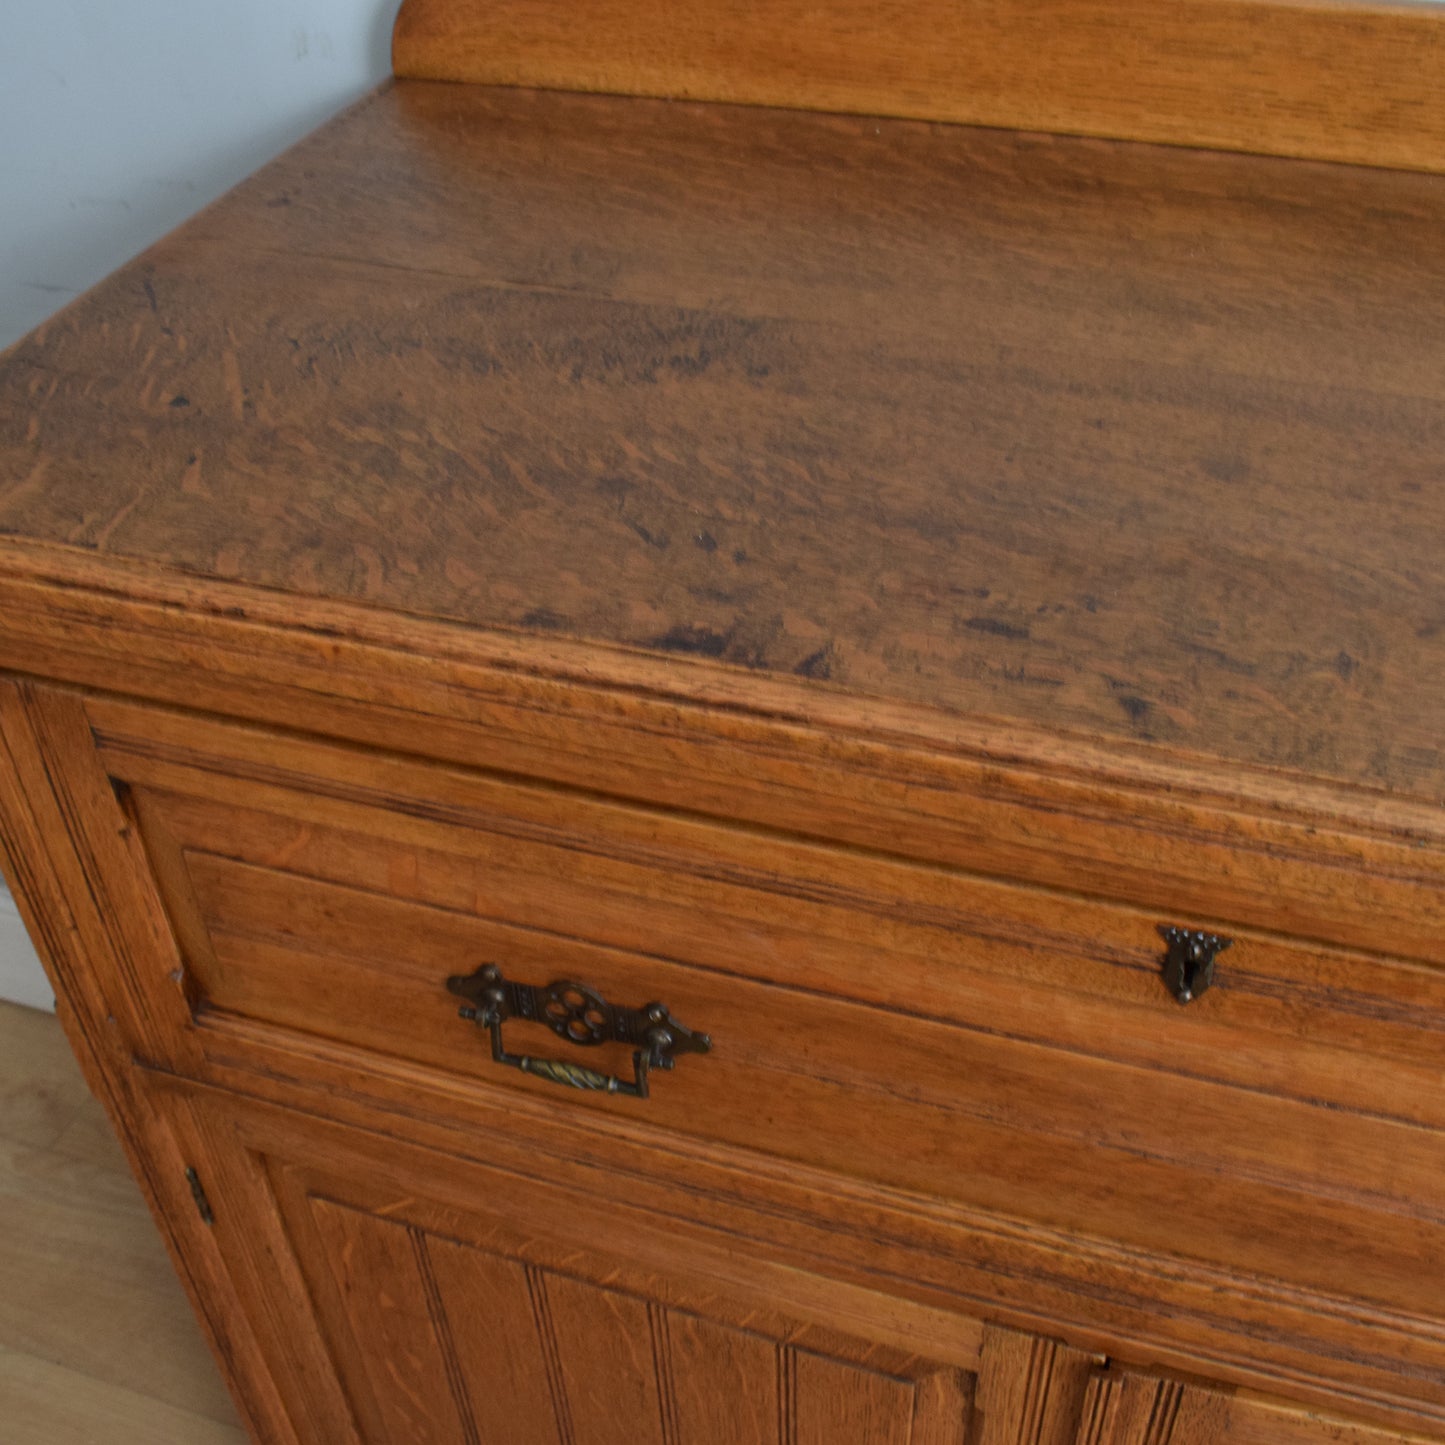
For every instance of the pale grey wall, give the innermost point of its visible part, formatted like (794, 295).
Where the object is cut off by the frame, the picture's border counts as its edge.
(118, 119)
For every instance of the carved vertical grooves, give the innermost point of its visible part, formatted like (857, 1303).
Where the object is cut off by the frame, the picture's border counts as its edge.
(942, 1409)
(551, 1355)
(1029, 1390)
(662, 1368)
(446, 1343)
(1101, 1403)
(1038, 1382)
(1167, 1397)
(787, 1397)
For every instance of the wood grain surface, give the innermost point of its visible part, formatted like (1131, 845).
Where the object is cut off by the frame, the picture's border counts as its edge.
(446, 1322)
(1227, 1178)
(1129, 1407)
(1265, 1161)
(1011, 1036)
(267, 844)
(555, 1259)
(1136, 442)
(1339, 81)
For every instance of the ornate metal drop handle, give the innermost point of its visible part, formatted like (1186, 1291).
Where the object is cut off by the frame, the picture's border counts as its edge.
(581, 1016)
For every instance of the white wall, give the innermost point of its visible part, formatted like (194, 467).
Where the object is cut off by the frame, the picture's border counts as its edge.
(22, 980)
(118, 119)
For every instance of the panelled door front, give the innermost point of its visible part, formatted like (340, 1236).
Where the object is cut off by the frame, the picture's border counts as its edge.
(501, 1322)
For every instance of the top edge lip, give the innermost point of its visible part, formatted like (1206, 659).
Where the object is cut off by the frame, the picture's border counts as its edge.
(769, 699)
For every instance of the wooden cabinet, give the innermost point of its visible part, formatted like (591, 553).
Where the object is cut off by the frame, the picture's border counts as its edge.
(713, 776)
(813, 1230)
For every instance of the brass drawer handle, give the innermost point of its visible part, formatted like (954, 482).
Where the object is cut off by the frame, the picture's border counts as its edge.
(581, 1016)
(1189, 960)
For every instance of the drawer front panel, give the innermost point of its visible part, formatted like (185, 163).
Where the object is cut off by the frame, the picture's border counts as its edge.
(999, 1048)
(1285, 1016)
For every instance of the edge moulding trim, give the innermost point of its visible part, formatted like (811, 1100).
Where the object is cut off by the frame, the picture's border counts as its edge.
(1329, 80)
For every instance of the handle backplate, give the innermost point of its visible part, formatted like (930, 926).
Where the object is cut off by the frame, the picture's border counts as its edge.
(579, 1014)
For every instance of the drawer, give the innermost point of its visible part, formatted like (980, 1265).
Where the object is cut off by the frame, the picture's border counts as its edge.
(1004, 1049)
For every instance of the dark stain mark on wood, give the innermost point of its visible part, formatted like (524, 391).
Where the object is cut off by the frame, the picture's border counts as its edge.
(1136, 707)
(544, 618)
(817, 664)
(702, 641)
(1030, 679)
(653, 539)
(1226, 469)
(996, 627)
(691, 365)
(1221, 659)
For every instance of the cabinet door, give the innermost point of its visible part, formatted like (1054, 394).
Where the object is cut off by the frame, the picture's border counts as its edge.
(455, 1305)
(452, 1340)
(1133, 1407)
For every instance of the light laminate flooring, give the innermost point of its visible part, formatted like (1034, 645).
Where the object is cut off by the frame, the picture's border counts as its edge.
(98, 1345)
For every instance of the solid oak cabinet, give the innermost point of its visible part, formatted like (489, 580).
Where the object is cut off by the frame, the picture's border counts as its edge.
(713, 775)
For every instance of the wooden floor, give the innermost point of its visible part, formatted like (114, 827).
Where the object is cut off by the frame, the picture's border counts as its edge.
(97, 1341)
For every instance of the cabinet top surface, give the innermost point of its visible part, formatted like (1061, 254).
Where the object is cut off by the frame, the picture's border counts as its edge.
(1142, 443)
